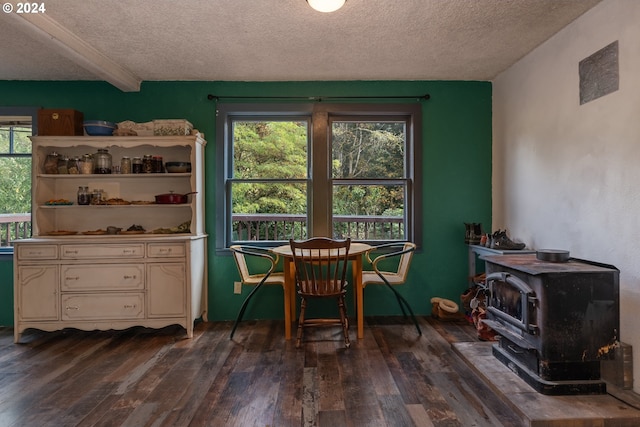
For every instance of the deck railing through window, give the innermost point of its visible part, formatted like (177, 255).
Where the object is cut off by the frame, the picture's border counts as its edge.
(261, 227)
(256, 227)
(14, 226)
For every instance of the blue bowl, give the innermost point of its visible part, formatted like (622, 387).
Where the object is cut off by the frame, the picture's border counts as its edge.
(99, 127)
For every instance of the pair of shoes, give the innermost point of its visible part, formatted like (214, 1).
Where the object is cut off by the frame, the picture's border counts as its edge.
(500, 240)
(473, 233)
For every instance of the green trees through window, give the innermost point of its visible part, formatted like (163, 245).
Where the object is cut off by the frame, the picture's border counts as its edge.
(15, 182)
(296, 176)
(369, 167)
(15, 164)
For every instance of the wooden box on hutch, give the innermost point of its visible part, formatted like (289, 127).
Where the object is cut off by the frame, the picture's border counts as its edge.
(60, 122)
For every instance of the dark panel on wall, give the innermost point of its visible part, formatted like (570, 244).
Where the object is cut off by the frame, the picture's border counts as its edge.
(599, 75)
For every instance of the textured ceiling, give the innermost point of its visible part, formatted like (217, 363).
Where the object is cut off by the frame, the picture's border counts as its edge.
(286, 40)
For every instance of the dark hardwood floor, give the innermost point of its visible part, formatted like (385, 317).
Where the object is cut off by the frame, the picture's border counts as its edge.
(141, 377)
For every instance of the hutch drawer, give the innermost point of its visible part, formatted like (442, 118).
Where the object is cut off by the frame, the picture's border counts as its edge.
(103, 306)
(105, 277)
(102, 251)
(37, 252)
(164, 250)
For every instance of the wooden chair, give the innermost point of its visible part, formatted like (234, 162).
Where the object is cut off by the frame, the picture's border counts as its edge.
(249, 277)
(391, 276)
(321, 268)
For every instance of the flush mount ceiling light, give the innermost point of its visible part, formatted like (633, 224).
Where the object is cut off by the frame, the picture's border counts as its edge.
(326, 5)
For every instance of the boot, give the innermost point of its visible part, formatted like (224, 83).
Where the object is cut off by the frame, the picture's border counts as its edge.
(492, 239)
(468, 232)
(477, 233)
(473, 233)
(502, 241)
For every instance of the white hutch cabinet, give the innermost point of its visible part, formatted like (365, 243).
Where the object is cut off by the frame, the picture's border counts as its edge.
(71, 274)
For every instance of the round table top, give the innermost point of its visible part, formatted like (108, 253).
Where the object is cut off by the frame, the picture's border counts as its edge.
(354, 249)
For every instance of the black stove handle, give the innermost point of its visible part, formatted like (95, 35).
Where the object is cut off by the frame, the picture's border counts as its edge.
(514, 281)
(527, 297)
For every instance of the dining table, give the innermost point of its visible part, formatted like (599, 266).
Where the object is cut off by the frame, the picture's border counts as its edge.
(356, 251)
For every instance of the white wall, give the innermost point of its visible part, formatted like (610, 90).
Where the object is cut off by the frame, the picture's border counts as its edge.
(565, 175)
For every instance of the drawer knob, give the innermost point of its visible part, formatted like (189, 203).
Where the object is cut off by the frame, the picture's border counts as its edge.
(127, 306)
(72, 307)
(72, 278)
(129, 277)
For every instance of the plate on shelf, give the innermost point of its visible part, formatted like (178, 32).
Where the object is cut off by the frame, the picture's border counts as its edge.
(60, 202)
(61, 233)
(94, 232)
(132, 232)
(143, 202)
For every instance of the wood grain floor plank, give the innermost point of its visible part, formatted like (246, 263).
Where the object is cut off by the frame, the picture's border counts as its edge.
(141, 377)
(419, 416)
(210, 407)
(209, 362)
(394, 412)
(330, 393)
(59, 387)
(289, 405)
(333, 418)
(361, 402)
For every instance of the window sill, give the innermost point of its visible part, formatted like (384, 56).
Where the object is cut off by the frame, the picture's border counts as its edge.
(6, 254)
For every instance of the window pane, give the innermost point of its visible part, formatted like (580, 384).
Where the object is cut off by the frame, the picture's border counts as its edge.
(269, 149)
(4, 140)
(21, 141)
(368, 149)
(268, 211)
(15, 199)
(369, 212)
(15, 184)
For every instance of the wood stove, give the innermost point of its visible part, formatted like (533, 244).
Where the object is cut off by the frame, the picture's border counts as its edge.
(556, 321)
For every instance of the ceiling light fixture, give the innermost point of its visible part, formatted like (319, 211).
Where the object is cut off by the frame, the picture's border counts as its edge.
(326, 5)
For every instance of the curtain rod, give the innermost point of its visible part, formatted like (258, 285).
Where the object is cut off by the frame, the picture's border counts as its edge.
(212, 97)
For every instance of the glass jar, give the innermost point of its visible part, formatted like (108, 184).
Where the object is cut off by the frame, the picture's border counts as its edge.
(147, 163)
(125, 165)
(102, 161)
(157, 163)
(73, 166)
(63, 162)
(86, 164)
(84, 197)
(96, 197)
(51, 163)
(136, 165)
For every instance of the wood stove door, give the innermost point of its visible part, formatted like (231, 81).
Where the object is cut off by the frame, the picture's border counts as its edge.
(512, 301)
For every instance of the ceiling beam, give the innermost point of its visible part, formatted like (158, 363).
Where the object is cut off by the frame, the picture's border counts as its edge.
(79, 51)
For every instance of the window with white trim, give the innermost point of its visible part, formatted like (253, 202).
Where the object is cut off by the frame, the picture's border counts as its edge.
(16, 126)
(303, 170)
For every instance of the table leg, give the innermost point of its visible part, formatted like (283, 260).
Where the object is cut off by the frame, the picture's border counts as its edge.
(294, 294)
(289, 302)
(356, 267)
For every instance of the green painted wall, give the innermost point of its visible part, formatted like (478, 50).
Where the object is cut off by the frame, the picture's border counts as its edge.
(6, 290)
(456, 171)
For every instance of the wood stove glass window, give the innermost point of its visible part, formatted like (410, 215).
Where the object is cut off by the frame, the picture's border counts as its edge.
(507, 299)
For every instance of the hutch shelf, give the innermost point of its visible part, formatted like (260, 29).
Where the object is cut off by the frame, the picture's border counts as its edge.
(152, 273)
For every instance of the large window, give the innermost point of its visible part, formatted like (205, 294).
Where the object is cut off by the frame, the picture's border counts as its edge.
(297, 171)
(15, 174)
